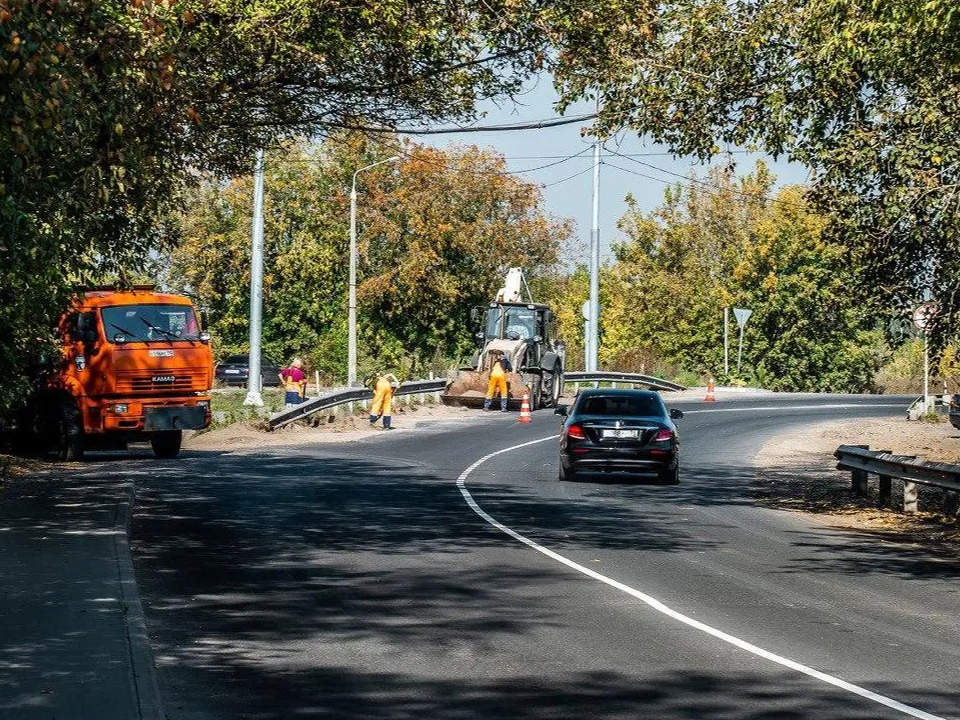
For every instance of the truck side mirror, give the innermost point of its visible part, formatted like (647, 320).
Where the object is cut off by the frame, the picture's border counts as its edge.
(474, 314)
(87, 328)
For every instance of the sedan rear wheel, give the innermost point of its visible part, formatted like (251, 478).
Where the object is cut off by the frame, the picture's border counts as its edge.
(566, 475)
(671, 477)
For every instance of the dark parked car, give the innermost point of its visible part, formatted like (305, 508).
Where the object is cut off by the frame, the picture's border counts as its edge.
(236, 369)
(953, 410)
(627, 431)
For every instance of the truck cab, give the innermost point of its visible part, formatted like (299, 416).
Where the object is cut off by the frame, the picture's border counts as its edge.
(134, 364)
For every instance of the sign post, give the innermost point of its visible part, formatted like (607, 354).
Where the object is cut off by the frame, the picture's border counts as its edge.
(585, 312)
(742, 315)
(726, 341)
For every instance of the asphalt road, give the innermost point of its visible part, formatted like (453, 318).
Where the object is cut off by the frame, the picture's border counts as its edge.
(369, 581)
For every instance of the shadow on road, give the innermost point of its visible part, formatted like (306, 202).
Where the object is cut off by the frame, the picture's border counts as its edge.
(332, 587)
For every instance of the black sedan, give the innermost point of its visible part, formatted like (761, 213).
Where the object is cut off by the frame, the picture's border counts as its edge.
(627, 431)
(236, 369)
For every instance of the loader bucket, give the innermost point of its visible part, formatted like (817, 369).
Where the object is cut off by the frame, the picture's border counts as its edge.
(469, 389)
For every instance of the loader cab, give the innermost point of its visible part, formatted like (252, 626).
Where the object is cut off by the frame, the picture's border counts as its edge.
(531, 322)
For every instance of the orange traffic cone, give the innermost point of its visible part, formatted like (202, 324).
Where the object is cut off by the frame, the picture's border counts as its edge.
(525, 408)
(711, 395)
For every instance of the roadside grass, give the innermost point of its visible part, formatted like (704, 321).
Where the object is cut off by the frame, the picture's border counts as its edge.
(227, 406)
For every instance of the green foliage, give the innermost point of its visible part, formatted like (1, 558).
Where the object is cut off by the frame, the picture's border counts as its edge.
(109, 109)
(436, 233)
(864, 92)
(705, 249)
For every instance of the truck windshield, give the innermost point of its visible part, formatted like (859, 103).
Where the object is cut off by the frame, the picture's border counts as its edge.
(150, 323)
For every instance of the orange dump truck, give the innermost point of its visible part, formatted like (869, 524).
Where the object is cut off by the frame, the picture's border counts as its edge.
(135, 365)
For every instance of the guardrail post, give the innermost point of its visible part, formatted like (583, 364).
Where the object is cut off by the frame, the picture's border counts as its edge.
(909, 497)
(859, 482)
(951, 503)
(858, 478)
(886, 490)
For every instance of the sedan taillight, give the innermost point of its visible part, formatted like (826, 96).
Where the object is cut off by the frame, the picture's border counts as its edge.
(663, 436)
(575, 432)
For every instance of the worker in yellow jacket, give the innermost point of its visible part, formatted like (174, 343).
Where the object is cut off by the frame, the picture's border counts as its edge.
(498, 381)
(383, 386)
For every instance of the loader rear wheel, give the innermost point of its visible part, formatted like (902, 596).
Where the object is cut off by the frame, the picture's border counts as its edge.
(552, 387)
(536, 397)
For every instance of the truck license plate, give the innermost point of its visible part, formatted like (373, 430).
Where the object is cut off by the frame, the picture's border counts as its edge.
(620, 434)
(232, 372)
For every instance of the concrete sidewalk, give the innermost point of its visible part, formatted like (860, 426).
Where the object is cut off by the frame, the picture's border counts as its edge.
(73, 642)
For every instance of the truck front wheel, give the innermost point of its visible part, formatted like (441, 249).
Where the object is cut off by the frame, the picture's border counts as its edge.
(166, 444)
(69, 432)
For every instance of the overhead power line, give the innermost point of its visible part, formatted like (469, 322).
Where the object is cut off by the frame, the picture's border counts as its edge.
(704, 183)
(454, 168)
(569, 177)
(535, 125)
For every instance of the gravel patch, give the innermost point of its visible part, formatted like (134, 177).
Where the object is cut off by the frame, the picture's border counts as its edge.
(797, 472)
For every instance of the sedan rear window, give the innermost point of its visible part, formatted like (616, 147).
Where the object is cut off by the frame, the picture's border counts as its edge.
(635, 406)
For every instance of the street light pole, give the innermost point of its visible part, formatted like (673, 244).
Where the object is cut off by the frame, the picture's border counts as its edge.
(256, 287)
(352, 303)
(593, 341)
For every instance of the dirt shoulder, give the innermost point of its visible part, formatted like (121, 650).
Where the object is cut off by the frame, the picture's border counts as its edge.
(797, 472)
(323, 428)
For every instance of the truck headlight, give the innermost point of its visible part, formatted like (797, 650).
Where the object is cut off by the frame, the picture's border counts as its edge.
(120, 408)
(205, 404)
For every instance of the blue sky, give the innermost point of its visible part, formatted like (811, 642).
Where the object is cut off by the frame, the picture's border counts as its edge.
(573, 198)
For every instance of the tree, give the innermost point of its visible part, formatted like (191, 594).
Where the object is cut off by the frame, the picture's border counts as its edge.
(721, 243)
(436, 234)
(439, 241)
(864, 92)
(109, 109)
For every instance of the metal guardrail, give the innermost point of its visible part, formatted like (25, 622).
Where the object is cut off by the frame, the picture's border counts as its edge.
(861, 461)
(634, 378)
(412, 387)
(348, 395)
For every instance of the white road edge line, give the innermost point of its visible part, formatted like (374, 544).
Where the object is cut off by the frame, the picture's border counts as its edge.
(669, 612)
(845, 406)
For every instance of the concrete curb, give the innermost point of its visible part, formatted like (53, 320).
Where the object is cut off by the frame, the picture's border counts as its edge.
(145, 684)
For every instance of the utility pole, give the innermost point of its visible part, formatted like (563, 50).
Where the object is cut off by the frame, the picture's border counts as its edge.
(256, 286)
(352, 302)
(593, 342)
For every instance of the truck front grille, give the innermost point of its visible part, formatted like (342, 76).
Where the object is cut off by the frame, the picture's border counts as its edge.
(167, 380)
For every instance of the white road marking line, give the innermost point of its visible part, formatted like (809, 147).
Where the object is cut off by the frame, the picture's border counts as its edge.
(669, 612)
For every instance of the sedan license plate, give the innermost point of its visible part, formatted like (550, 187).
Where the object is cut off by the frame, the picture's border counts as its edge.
(620, 434)
(232, 372)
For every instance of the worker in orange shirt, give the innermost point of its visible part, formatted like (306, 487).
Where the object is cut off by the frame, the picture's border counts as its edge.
(498, 381)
